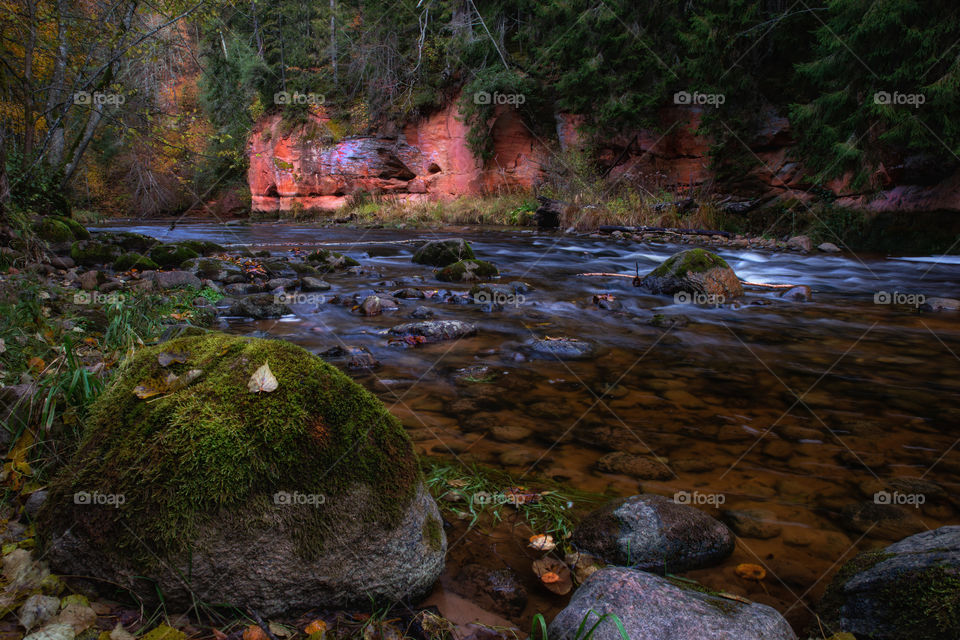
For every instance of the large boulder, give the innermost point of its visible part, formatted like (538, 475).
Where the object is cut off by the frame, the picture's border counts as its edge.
(694, 271)
(189, 484)
(440, 253)
(654, 533)
(909, 590)
(655, 608)
(468, 271)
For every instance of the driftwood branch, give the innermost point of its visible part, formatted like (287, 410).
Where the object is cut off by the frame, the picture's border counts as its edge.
(681, 232)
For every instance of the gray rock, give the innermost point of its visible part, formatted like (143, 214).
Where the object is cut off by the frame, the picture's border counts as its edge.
(828, 247)
(259, 306)
(242, 289)
(310, 283)
(435, 330)
(654, 533)
(253, 565)
(212, 268)
(35, 500)
(908, 590)
(800, 243)
(281, 283)
(654, 608)
(174, 279)
(800, 293)
(752, 523)
(62, 262)
(940, 304)
(89, 280)
(642, 467)
(563, 349)
(421, 313)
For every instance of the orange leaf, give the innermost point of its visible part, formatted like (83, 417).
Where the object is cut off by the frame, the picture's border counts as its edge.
(36, 364)
(749, 571)
(315, 626)
(254, 632)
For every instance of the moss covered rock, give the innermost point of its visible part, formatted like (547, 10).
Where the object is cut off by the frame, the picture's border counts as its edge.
(134, 260)
(53, 230)
(136, 242)
(172, 255)
(306, 496)
(694, 271)
(212, 268)
(468, 271)
(94, 252)
(326, 260)
(908, 590)
(440, 253)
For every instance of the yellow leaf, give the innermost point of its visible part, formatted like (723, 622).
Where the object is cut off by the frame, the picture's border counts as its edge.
(262, 380)
(315, 626)
(749, 571)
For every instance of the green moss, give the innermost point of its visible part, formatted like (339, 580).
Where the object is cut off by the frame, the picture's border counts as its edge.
(52, 229)
(689, 261)
(303, 269)
(216, 453)
(172, 255)
(92, 252)
(78, 230)
(283, 166)
(135, 241)
(134, 261)
(467, 270)
(327, 260)
(440, 253)
(202, 247)
(925, 604)
(433, 533)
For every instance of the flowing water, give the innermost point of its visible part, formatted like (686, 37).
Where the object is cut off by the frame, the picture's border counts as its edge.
(804, 411)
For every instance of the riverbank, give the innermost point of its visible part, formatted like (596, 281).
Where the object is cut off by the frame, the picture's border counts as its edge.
(707, 398)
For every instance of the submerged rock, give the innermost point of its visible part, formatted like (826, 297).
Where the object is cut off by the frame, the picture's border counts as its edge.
(562, 348)
(434, 330)
(440, 253)
(468, 271)
(655, 608)
(654, 533)
(642, 467)
(907, 590)
(694, 271)
(305, 496)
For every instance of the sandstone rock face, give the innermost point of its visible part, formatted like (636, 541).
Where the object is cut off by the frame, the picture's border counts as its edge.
(429, 159)
(426, 159)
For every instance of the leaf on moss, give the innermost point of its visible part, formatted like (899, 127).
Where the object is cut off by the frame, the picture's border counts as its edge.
(167, 358)
(262, 380)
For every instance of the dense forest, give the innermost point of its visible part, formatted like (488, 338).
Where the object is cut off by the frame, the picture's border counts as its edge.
(177, 86)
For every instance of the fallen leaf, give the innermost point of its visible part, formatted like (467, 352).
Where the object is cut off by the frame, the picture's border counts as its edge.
(119, 633)
(167, 358)
(37, 609)
(749, 571)
(165, 632)
(53, 632)
(78, 616)
(219, 635)
(317, 626)
(36, 364)
(254, 632)
(542, 542)
(262, 380)
(150, 388)
(279, 630)
(553, 574)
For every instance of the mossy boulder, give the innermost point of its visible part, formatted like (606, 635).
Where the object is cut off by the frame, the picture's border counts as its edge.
(306, 496)
(172, 255)
(94, 252)
(134, 260)
(440, 253)
(202, 247)
(325, 260)
(212, 268)
(468, 271)
(694, 271)
(60, 229)
(911, 589)
(136, 242)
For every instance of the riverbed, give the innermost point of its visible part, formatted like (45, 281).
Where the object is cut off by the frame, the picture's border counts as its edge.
(836, 420)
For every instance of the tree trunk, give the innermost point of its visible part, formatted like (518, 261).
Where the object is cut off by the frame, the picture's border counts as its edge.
(56, 96)
(333, 38)
(28, 106)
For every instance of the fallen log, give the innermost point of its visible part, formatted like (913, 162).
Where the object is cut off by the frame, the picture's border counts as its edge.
(683, 232)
